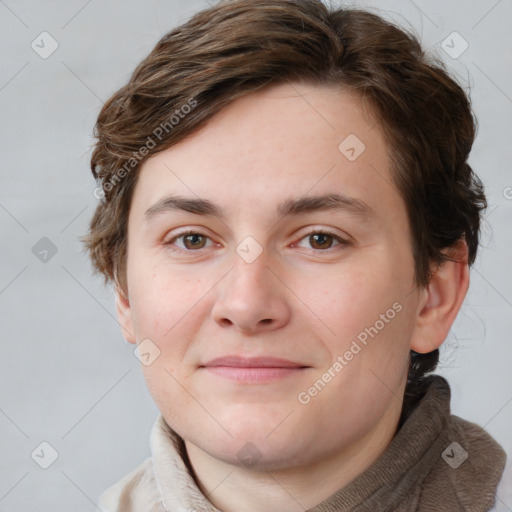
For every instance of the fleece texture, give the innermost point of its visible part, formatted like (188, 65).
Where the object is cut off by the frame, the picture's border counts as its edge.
(437, 462)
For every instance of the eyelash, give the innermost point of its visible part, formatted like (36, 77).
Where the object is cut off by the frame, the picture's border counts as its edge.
(336, 238)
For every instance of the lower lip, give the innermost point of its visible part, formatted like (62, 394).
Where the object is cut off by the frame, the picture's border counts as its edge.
(253, 374)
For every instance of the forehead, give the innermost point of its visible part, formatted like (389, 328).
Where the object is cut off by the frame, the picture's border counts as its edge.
(283, 141)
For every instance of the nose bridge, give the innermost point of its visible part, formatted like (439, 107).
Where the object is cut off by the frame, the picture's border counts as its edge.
(249, 261)
(251, 298)
(250, 278)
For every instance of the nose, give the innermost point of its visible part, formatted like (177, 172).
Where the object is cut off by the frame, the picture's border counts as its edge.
(251, 298)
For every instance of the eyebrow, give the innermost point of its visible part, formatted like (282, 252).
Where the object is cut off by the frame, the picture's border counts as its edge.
(291, 206)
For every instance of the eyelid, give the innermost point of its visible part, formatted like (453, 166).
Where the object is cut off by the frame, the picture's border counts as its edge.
(343, 240)
(185, 232)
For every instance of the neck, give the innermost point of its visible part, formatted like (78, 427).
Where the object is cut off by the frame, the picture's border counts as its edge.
(236, 488)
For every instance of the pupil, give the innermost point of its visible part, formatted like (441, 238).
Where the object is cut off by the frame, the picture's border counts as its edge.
(321, 239)
(194, 240)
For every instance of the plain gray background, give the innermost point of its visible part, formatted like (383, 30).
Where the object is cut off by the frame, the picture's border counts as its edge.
(66, 375)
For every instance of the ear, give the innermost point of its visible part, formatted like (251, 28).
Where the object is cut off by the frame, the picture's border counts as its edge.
(441, 300)
(124, 315)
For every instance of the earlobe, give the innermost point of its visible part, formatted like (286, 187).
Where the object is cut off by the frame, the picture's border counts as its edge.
(124, 315)
(441, 300)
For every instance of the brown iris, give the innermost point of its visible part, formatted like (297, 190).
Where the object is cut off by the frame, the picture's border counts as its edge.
(195, 240)
(321, 241)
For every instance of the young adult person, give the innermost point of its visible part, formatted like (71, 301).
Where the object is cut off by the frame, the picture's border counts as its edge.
(289, 219)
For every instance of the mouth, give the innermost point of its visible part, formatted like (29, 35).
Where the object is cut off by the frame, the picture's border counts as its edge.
(253, 369)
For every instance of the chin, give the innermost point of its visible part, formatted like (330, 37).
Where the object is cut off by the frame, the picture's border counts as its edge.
(257, 444)
(257, 455)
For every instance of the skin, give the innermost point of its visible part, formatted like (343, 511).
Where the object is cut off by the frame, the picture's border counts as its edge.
(303, 298)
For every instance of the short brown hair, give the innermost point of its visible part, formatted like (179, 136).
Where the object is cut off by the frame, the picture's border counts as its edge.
(238, 46)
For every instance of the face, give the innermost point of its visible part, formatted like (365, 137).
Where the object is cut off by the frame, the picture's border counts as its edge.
(270, 266)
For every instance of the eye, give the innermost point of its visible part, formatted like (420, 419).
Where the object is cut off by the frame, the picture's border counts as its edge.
(318, 240)
(190, 241)
(322, 240)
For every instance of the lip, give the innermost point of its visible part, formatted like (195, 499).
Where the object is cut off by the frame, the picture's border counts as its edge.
(252, 362)
(253, 369)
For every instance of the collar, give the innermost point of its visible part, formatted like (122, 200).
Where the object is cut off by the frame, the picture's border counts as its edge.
(415, 473)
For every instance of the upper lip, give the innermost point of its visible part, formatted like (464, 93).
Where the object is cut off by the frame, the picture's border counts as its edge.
(253, 362)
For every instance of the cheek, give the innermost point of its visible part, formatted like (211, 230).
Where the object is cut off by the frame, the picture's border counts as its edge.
(366, 318)
(164, 301)
(353, 298)
(169, 310)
